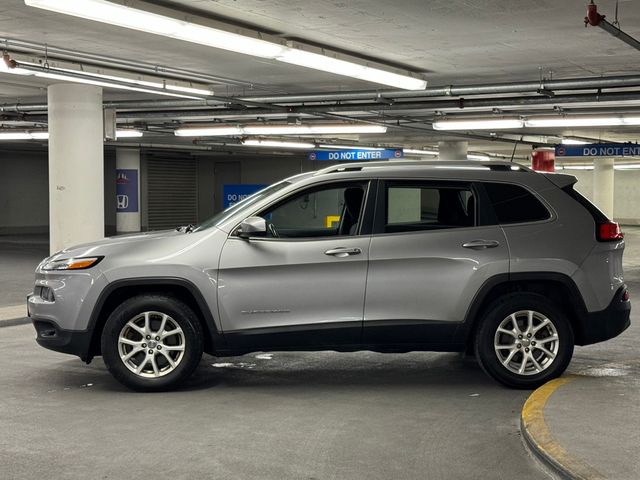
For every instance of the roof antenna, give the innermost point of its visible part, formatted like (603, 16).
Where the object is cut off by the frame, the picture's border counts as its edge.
(515, 145)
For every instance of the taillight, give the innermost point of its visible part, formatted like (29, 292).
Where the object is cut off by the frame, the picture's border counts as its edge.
(610, 231)
(625, 296)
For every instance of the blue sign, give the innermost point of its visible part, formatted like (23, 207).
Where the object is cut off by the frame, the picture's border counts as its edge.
(126, 190)
(233, 194)
(355, 155)
(599, 150)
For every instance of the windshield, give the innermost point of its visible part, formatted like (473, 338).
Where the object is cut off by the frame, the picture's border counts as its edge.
(224, 215)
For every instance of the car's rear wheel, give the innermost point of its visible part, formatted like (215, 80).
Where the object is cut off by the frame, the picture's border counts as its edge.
(152, 342)
(524, 340)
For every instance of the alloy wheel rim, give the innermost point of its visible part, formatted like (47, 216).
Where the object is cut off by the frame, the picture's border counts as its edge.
(526, 342)
(151, 344)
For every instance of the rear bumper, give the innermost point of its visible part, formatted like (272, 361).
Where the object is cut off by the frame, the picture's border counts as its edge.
(607, 323)
(74, 342)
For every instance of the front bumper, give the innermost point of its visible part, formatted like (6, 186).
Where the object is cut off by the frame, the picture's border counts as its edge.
(75, 342)
(608, 323)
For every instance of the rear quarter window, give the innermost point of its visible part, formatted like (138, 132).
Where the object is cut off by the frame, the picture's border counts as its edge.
(515, 204)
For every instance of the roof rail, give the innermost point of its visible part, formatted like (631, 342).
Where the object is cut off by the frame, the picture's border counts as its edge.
(340, 168)
(493, 165)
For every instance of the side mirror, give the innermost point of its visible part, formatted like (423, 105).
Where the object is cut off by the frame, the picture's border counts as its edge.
(252, 227)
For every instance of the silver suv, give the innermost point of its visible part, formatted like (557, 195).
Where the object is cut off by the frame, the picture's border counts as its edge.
(490, 258)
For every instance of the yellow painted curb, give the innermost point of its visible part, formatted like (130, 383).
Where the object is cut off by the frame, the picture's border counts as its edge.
(537, 434)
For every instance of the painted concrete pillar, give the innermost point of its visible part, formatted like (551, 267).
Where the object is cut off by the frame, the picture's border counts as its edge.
(453, 150)
(127, 190)
(603, 185)
(76, 165)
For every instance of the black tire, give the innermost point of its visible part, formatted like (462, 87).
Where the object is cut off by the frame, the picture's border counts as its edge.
(180, 314)
(498, 312)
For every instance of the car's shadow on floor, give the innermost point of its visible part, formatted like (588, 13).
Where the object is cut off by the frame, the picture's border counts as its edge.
(294, 370)
(326, 370)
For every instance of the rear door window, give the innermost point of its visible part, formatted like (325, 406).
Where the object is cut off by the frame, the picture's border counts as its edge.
(414, 206)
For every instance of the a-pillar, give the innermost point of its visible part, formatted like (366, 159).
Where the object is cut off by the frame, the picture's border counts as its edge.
(453, 150)
(76, 165)
(603, 185)
(127, 190)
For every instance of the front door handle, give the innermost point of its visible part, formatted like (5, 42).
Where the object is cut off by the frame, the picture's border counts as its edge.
(343, 251)
(481, 244)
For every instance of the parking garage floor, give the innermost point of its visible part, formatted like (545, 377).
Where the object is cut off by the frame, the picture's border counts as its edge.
(305, 415)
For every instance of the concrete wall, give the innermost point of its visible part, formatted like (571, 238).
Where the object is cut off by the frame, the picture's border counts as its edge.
(24, 192)
(626, 202)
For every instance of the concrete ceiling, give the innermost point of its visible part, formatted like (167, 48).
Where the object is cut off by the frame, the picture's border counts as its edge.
(449, 41)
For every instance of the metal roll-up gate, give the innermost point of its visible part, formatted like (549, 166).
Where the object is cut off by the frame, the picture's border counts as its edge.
(172, 192)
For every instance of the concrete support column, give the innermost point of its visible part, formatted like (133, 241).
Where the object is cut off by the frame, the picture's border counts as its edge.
(603, 185)
(127, 190)
(453, 150)
(76, 165)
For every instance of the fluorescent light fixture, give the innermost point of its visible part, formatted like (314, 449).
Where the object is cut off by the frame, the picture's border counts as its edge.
(412, 151)
(478, 123)
(573, 141)
(627, 166)
(277, 144)
(128, 134)
(145, 83)
(44, 135)
(541, 122)
(100, 80)
(473, 156)
(4, 68)
(15, 136)
(279, 130)
(490, 123)
(350, 69)
(581, 121)
(128, 17)
(349, 147)
(577, 167)
(208, 131)
(39, 135)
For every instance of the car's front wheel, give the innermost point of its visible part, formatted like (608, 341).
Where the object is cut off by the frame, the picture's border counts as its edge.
(524, 340)
(152, 342)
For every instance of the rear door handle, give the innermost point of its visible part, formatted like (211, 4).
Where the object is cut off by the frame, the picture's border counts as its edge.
(343, 252)
(481, 244)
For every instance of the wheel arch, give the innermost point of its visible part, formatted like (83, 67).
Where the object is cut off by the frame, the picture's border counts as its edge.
(560, 288)
(118, 291)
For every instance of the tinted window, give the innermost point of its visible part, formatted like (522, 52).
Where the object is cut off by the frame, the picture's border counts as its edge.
(414, 207)
(319, 212)
(514, 204)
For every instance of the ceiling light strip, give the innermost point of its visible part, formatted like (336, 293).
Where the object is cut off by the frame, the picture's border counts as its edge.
(108, 81)
(278, 144)
(149, 22)
(225, 131)
(548, 121)
(44, 135)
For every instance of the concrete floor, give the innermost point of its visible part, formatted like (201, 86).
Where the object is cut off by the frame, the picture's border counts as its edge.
(293, 416)
(275, 416)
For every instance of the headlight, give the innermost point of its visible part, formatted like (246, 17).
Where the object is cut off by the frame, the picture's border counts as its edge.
(72, 263)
